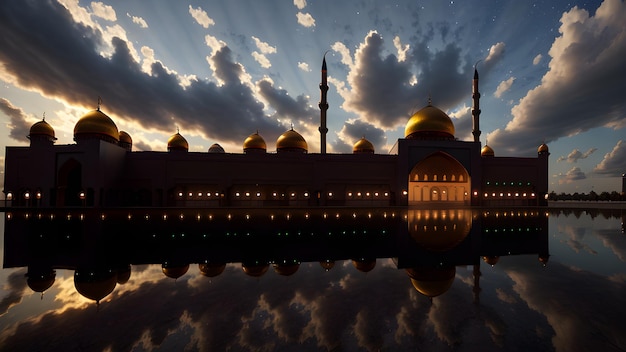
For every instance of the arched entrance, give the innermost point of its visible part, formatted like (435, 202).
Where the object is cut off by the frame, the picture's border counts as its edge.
(439, 178)
(69, 184)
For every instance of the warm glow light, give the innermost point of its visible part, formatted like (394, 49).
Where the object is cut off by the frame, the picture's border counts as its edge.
(386, 194)
(524, 194)
(236, 194)
(247, 194)
(190, 194)
(404, 193)
(367, 194)
(38, 195)
(375, 194)
(199, 194)
(9, 196)
(258, 194)
(516, 194)
(293, 194)
(358, 194)
(306, 194)
(349, 194)
(81, 195)
(532, 194)
(274, 194)
(27, 195)
(180, 194)
(330, 194)
(208, 194)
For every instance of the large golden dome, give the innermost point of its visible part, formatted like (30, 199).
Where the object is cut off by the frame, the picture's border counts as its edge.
(291, 141)
(487, 151)
(432, 282)
(177, 142)
(254, 142)
(96, 124)
(125, 137)
(429, 123)
(363, 146)
(95, 285)
(41, 128)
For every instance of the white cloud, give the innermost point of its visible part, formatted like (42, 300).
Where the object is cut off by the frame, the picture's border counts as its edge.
(305, 19)
(201, 17)
(614, 162)
(103, 11)
(261, 59)
(138, 20)
(264, 47)
(346, 57)
(495, 52)
(576, 155)
(213, 43)
(300, 4)
(574, 174)
(304, 66)
(537, 59)
(503, 87)
(402, 49)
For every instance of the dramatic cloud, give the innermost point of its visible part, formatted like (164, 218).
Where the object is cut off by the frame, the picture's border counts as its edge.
(304, 66)
(201, 17)
(576, 155)
(503, 87)
(537, 59)
(138, 20)
(585, 70)
(293, 110)
(264, 49)
(390, 107)
(305, 19)
(37, 60)
(300, 4)
(19, 126)
(614, 162)
(495, 54)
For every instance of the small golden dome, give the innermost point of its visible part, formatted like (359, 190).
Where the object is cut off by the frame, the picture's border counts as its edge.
(125, 138)
(543, 148)
(95, 285)
(255, 269)
(96, 124)
(177, 142)
(491, 260)
(429, 123)
(216, 148)
(42, 128)
(363, 146)
(291, 141)
(364, 265)
(286, 269)
(487, 151)
(254, 142)
(40, 281)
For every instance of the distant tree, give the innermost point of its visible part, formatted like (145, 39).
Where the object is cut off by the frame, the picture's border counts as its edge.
(593, 196)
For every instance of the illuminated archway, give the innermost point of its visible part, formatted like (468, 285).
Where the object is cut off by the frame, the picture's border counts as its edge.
(438, 178)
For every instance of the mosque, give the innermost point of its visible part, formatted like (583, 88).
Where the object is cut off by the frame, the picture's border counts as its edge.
(429, 165)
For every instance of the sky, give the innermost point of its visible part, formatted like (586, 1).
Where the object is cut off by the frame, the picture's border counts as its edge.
(550, 72)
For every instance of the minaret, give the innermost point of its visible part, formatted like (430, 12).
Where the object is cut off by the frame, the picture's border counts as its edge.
(323, 107)
(475, 107)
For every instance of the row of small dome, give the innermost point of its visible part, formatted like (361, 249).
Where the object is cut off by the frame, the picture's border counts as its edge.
(97, 125)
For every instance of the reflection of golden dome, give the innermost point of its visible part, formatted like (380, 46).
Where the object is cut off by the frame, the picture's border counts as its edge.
(211, 269)
(487, 151)
(216, 148)
(177, 142)
(432, 282)
(123, 275)
(327, 264)
(363, 146)
(42, 128)
(175, 271)
(491, 260)
(40, 281)
(429, 123)
(95, 285)
(543, 148)
(286, 269)
(364, 265)
(543, 259)
(96, 124)
(291, 141)
(255, 269)
(439, 230)
(254, 142)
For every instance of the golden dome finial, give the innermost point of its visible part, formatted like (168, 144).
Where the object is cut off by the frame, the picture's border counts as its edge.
(44, 116)
(99, 103)
(430, 100)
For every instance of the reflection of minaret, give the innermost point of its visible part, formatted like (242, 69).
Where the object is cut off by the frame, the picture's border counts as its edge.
(476, 288)
(323, 107)
(475, 107)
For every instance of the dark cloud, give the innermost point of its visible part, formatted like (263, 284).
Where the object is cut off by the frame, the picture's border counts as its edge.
(583, 87)
(382, 87)
(19, 128)
(13, 290)
(46, 51)
(573, 174)
(296, 110)
(614, 162)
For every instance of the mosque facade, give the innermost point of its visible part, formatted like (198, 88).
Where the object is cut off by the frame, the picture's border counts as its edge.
(429, 165)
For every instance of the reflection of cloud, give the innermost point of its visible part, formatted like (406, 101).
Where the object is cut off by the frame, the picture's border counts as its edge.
(614, 241)
(594, 325)
(14, 290)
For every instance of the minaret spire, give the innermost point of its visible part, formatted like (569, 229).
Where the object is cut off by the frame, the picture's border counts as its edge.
(323, 104)
(475, 106)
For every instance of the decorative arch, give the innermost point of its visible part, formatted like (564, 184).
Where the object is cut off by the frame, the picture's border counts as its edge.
(439, 178)
(69, 183)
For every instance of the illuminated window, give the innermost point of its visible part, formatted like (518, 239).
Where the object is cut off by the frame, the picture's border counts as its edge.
(258, 194)
(404, 193)
(180, 194)
(358, 194)
(236, 194)
(247, 194)
(375, 194)
(306, 194)
(486, 195)
(274, 194)
(38, 195)
(190, 194)
(199, 194)
(9, 196)
(293, 195)
(27, 195)
(349, 194)
(330, 194)
(386, 194)
(367, 194)
(208, 194)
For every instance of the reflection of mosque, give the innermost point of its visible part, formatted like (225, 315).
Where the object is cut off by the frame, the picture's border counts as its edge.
(428, 165)
(101, 248)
